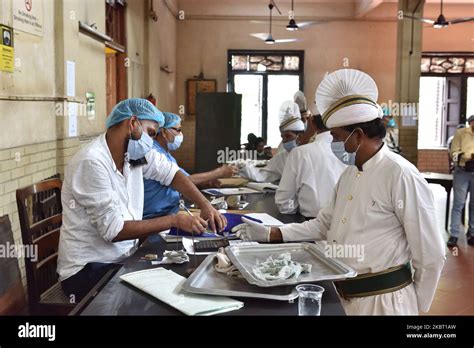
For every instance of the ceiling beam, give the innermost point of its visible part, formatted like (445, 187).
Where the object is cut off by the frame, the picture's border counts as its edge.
(364, 7)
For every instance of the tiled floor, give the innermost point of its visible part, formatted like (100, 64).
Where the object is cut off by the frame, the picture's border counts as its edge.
(455, 292)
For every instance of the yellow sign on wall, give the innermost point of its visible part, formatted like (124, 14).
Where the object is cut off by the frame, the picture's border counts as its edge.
(7, 59)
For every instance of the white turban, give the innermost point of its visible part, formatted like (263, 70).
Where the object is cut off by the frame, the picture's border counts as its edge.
(290, 117)
(300, 99)
(346, 97)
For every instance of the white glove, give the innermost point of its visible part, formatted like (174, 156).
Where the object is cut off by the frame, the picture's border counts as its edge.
(254, 231)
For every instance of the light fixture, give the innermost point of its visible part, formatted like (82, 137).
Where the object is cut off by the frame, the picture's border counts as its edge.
(292, 26)
(440, 22)
(270, 40)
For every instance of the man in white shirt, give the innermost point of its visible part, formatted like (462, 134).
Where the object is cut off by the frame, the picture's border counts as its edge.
(291, 127)
(310, 175)
(381, 219)
(102, 197)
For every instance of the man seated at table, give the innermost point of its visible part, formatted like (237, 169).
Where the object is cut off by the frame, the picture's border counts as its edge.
(161, 199)
(102, 197)
(310, 175)
(291, 127)
(382, 207)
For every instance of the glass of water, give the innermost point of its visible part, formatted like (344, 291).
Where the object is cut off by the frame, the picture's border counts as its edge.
(309, 300)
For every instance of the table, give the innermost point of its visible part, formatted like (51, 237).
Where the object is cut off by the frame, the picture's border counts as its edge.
(119, 298)
(445, 180)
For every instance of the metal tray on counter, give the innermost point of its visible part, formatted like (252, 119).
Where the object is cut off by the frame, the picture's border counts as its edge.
(206, 280)
(245, 257)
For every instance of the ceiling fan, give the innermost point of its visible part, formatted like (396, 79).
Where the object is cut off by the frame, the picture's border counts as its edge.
(441, 21)
(292, 26)
(268, 37)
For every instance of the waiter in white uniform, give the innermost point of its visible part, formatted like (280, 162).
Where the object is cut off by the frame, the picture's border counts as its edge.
(382, 205)
(310, 176)
(291, 127)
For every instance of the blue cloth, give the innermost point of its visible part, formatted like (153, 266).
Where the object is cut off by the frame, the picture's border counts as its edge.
(463, 182)
(160, 200)
(141, 108)
(232, 221)
(171, 120)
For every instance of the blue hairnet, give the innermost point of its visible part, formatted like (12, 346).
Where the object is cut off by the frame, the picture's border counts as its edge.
(141, 108)
(171, 120)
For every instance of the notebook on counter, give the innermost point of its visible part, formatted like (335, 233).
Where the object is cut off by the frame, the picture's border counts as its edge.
(166, 286)
(262, 186)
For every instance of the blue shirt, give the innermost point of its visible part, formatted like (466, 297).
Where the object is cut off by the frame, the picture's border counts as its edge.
(160, 199)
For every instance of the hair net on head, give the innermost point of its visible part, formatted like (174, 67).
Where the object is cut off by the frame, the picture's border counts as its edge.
(141, 108)
(171, 120)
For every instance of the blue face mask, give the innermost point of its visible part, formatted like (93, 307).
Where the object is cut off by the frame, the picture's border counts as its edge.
(391, 124)
(290, 145)
(178, 139)
(139, 148)
(340, 152)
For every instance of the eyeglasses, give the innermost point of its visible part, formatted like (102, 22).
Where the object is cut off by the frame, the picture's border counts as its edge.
(176, 130)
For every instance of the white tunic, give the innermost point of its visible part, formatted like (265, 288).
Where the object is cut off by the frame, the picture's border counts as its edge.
(309, 178)
(97, 199)
(271, 172)
(387, 210)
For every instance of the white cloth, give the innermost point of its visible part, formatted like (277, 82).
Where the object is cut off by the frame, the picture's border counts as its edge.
(271, 172)
(309, 178)
(353, 114)
(342, 84)
(388, 209)
(97, 199)
(300, 99)
(290, 117)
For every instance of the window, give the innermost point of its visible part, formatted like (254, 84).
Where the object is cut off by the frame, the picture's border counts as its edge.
(431, 111)
(446, 96)
(265, 79)
(470, 97)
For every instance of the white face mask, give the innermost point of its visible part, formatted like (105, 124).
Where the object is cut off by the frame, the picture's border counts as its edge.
(178, 139)
(139, 148)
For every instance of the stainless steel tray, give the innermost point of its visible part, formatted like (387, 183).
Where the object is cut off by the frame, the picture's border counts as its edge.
(205, 280)
(323, 268)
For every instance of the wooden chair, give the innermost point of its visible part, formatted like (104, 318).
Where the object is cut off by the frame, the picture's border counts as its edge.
(12, 294)
(40, 212)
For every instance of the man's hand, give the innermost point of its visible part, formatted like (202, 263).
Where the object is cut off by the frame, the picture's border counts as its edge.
(228, 171)
(189, 223)
(254, 231)
(214, 218)
(210, 184)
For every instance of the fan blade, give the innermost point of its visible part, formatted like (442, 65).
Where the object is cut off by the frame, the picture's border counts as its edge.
(308, 24)
(254, 21)
(261, 36)
(425, 20)
(286, 40)
(301, 25)
(461, 20)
